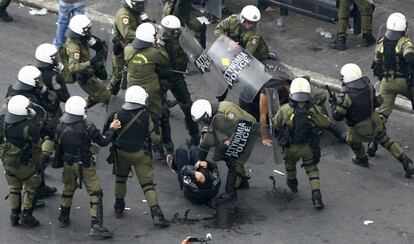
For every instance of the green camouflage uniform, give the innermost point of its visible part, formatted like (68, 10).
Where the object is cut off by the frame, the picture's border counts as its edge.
(142, 72)
(251, 40)
(228, 123)
(77, 62)
(393, 82)
(125, 24)
(285, 117)
(364, 7)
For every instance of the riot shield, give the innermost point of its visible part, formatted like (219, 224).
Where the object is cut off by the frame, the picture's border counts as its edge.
(243, 74)
(115, 103)
(154, 9)
(203, 62)
(213, 7)
(235, 136)
(272, 99)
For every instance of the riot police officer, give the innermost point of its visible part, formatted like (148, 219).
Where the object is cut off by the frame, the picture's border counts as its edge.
(242, 29)
(79, 66)
(142, 57)
(127, 19)
(4, 16)
(172, 78)
(226, 117)
(199, 180)
(75, 136)
(356, 104)
(297, 125)
(22, 139)
(29, 84)
(132, 148)
(51, 68)
(366, 9)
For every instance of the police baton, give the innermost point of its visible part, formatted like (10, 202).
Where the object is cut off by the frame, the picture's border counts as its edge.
(80, 164)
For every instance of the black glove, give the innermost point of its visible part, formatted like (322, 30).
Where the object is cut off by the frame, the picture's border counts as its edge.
(98, 45)
(83, 77)
(234, 37)
(96, 61)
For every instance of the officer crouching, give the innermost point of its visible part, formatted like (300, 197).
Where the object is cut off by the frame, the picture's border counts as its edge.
(21, 138)
(297, 125)
(131, 147)
(75, 136)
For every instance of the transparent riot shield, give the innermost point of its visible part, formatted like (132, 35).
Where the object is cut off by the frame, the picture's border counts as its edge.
(203, 62)
(242, 73)
(154, 9)
(234, 137)
(115, 103)
(272, 101)
(213, 7)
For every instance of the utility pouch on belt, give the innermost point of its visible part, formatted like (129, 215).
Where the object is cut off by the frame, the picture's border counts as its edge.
(14, 156)
(284, 137)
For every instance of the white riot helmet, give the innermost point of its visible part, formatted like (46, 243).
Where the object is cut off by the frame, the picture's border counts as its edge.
(80, 24)
(144, 36)
(17, 109)
(300, 90)
(75, 109)
(135, 97)
(201, 109)
(46, 54)
(171, 26)
(350, 72)
(396, 26)
(250, 13)
(29, 76)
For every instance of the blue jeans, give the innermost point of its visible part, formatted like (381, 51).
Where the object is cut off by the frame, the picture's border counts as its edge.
(66, 11)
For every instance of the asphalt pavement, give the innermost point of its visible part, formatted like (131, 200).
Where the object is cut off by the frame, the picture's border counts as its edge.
(352, 194)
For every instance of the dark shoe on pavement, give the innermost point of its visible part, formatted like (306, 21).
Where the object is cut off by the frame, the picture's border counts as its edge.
(372, 148)
(158, 217)
(292, 184)
(367, 39)
(317, 199)
(338, 43)
(363, 162)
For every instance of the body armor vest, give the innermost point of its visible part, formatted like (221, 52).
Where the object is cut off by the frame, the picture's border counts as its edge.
(74, 141)
(300, 133)
(137, 134)
(15, 133)
(362, 100)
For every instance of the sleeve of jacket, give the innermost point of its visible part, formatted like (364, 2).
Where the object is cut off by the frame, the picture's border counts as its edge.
(95, 134)
(278, 120)
(340, 110)
(75, 66)
(223, 27)
(63, 92)
(108, 122)
(123, 24)
(319, 118)
(162, 57)
(253, 42)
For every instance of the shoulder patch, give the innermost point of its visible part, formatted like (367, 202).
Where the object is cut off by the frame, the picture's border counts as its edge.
(125, 20)
(229, 114)
(253, 42)
(76, 55)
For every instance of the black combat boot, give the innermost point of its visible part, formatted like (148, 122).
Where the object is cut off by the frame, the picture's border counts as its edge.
(337, 131)
(157, 217)
(27, 219)
(231, 193)
(292, 184)
(64, 218)
(363, 162)
(15, 216)
(338, 43)
(44, 190)
(372, 148)
(317, 199)
(119, 207)
(407, 164)
(98, 230)
(367, 39)
(244, 183)
(4, 16)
